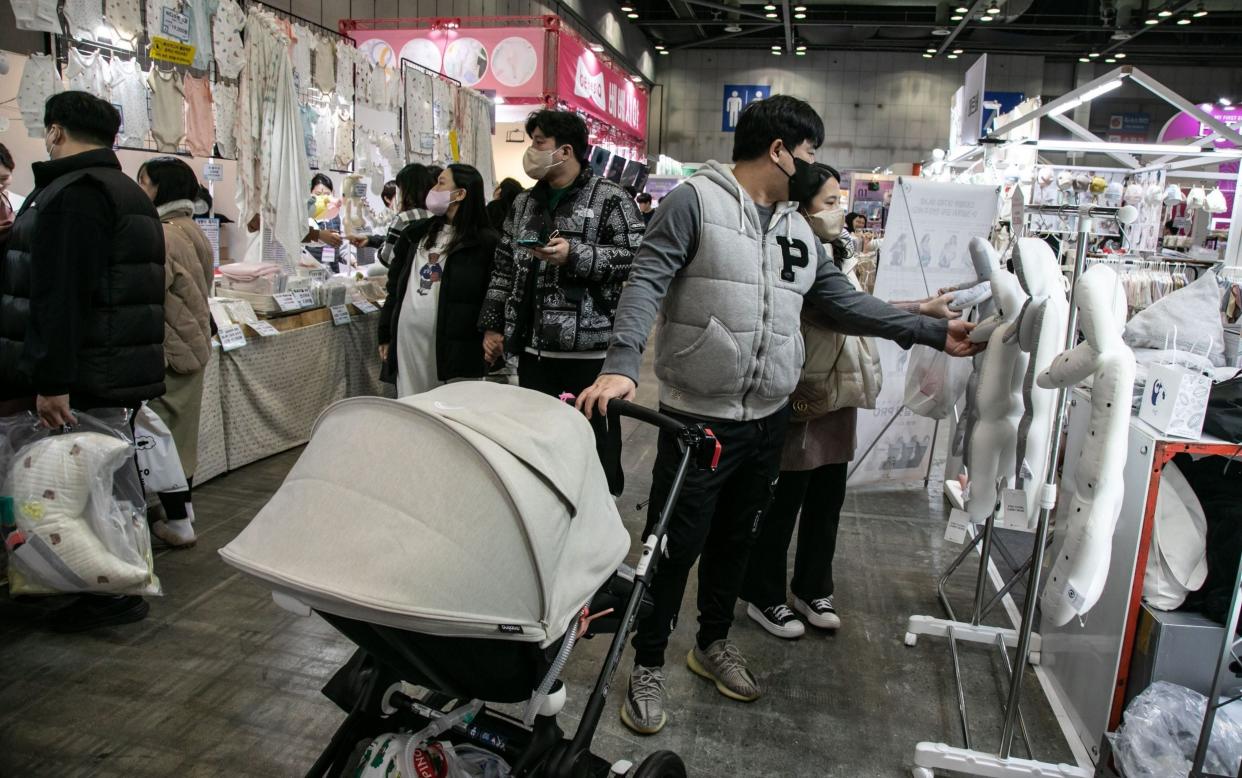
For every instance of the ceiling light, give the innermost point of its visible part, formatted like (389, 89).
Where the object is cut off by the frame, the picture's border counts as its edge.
(627, 8)
(1094, 54)
(596, 47)
(776, 47)
(1201, 12)
(1120, 55)
(1136, 148)
(733, 27)
(931, 51)
(799, 7)
(659, 47)
(957, 51)
(1150, 21)
(776, 52)
(992, 9)
(951, 56)
(802, 47)
(1110, 60)
(1083, 59)
(770, 15)
(961, 9)
(940, 32)
(928, 56)
(1164, 12)
(955, 18)
(769, 7)
(800, 53)
(636, 79)
(1225, 101)
(1183, 22)
(632, 15)
(1086, 98)
(664, 52)
(985, 18)
(799, 16)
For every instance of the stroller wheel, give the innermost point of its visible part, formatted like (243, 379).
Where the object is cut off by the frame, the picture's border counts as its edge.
(662, 764)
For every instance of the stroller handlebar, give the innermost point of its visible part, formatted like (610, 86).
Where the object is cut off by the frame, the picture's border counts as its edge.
(696, 439)
(644, 414)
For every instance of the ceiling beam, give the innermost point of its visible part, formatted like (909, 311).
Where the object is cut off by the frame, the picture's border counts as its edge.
(726, 9)
(1008, 28)
(787, 18)
(725, 37)
(684, 12)
(1118, 44)
(948, 42)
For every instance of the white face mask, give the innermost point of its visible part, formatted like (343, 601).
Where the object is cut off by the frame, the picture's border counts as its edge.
(828, 224)
(538, 163)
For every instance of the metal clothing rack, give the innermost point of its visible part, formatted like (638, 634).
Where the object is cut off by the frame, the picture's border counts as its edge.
(1002, 763)
(404, 121)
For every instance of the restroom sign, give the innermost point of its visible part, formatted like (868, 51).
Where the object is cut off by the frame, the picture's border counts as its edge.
(736, 98)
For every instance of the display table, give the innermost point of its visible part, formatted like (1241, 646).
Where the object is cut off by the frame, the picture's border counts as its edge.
(263, 398)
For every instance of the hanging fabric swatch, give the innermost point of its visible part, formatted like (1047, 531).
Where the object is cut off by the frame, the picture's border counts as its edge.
(129, 93)
(39, 82)
(167, 109)
(200, 130)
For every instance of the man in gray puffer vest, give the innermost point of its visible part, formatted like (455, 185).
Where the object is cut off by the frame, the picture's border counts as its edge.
(727, 262)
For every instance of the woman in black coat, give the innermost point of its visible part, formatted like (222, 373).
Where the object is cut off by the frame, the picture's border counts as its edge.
(428, 331)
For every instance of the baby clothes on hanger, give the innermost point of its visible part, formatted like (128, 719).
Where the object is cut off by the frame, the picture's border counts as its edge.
(200, 126)
(325, 134)
(82, 18)
(38, 15)
(125, 16)
(226, 38)
(309, 119)
(346, 59)
(39, 82)
(89, 72)
(129, 93)
(224, 104)
(420, 128)
(200, 13)
(325, 64)
(155, 14)
(167, 109)
(302, 44)
(343, 154)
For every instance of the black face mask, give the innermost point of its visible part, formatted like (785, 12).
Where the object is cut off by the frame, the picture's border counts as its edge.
(802, 184)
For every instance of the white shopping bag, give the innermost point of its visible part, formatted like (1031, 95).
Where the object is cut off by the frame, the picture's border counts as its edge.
(1175, 400)
(157, 454)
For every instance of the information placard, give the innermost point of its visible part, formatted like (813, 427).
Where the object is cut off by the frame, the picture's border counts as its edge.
(232, 337)
(340, 315)
(171, 51)
(264, 329)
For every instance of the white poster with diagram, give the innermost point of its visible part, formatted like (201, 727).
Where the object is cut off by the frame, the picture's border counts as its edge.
(925, 249)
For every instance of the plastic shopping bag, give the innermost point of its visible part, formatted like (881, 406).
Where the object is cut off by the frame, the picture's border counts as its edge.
(1160, 730)
(158, 460)
(72, 511)
(935, 381)
(402, 754)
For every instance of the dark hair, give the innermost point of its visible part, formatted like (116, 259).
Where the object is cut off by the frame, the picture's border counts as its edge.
(643, 198)
(563, 127)
(6, 158)
(821, 172)
(510, 188)
(498, 209)
(84, 116)
(434, 171)
(471, 217)
(389, 192)
(320, 178)
(173, 179)
(849, 220)
(414, 181)
(779, 117)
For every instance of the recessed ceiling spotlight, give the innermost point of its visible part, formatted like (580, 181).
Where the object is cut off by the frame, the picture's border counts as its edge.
(769, 7)
(1200, 12)
(802, 47)
(799, 7)
(940, 32)
(1110, 60)
(632, 15)
(776, 47)
(733, 28)
(1120, 55)
(928, 56)
(626, 7)
(955, 18)
(770, 15)
(931, 51)
(992, 9)
(1083, 59)
(776, 52)
(799, 16)
(961, 9)
(1150, 21)
(800, 53)
(1094, 54)
(1183, 22)
(1164, 13)
(985, 18)
(951, 56)
(1225, 101)
(659, 47)
(957, 51)
(664, 52)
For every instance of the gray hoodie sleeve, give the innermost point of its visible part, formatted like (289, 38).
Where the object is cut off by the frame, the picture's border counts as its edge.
(668, 244)
(857, 313)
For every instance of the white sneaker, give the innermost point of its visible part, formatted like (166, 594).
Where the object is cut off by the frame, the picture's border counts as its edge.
(778, 620)
(819, 613)
(178, 533)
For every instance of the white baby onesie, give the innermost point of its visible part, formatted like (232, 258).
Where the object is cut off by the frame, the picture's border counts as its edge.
(200, 13)
(89, 73)
(325, 64)
(39, 82)
(224, 103)
(226, 38)
(155, 14)
(346, 57)
(167, 109)
(39, 15)
(82, 17)
(125, 16)
(343, 156)
(302, 57)
(129, 91)
(325, 134)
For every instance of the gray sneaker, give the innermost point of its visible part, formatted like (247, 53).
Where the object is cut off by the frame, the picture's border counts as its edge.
(723, 664)
(643, 708)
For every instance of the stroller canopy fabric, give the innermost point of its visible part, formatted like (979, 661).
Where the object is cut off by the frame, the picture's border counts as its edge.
(473, 510)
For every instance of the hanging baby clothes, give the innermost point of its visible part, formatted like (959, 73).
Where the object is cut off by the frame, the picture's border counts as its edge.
(167, 109)
(82, 18)
(442, 116)
(343, 155)
(129, 92)
(200, 126)
(325, 134)
(325, 64)
(346, 59)
(476, 134)
(365, 82)
(226, 38)
(39, 82)
(125, 16)
(273, 174)
(303, 43)
(37, 15)
(155, 15)
(224, 104)
(200, 13)
(420, 139)
(309, 119)
(89, 72)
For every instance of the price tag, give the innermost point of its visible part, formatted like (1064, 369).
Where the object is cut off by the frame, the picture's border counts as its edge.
(427, 141)
(213, 171)
(232, 337)
(1013, 503)
(360, 189)
(959, 522)
(286, 301)
(1026, 472)
(340, 314)
(175, 25)
(305, 298)
(365, 307)
(328, 256)
(264, 328)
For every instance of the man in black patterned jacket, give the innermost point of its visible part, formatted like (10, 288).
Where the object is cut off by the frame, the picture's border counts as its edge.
(563, 257)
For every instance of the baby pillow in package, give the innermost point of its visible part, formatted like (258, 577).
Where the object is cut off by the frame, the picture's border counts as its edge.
(72, 511)
(1187, 320)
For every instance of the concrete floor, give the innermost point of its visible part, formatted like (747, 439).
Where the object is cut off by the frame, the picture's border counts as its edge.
(219, 681)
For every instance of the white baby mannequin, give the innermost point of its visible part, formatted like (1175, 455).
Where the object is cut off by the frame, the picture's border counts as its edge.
(1081, 568)
(977, 294)
(1040, 331)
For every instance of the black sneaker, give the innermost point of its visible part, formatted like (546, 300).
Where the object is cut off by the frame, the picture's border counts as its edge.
(778, 620)
(819, 612)
(92, 611)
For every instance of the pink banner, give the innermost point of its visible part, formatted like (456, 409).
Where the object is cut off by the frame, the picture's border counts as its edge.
(589, 85)
(508, 60)
(1183, 125)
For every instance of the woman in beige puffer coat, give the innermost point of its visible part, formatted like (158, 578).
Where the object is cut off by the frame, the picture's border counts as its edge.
(188, 269)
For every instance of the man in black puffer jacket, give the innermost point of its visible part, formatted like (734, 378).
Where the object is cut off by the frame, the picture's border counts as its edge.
(82, 295)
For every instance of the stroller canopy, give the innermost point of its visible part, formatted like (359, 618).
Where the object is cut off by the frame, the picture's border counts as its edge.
(473, 510)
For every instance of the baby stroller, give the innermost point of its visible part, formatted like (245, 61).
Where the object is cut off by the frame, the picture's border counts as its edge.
(460, 538)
